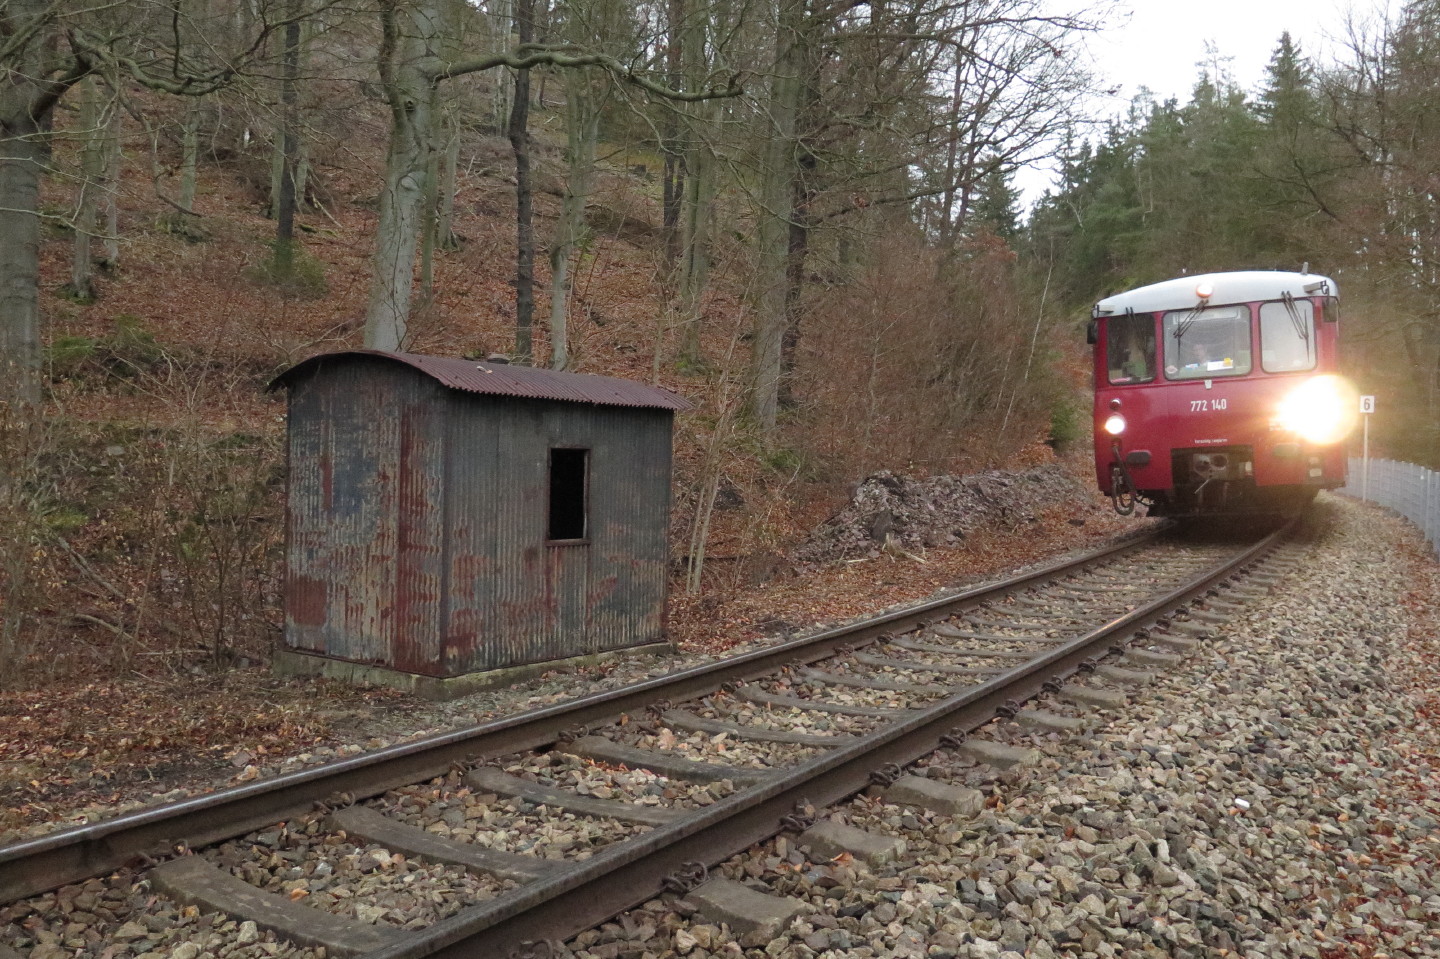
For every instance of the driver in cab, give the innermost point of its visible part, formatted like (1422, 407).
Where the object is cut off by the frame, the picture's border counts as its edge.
(1198, 359)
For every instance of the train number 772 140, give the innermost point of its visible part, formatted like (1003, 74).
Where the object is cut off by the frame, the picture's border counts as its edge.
(1200, 406)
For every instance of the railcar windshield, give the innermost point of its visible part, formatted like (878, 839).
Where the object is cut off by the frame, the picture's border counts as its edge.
(1130, 348)
(1287, 336)
(1207, 343)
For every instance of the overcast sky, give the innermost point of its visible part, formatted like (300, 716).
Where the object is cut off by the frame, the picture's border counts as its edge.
(1162, 43)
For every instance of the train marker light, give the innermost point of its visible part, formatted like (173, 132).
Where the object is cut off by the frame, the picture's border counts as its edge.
(1205, 290)
(1114, 424)
(1321, 410)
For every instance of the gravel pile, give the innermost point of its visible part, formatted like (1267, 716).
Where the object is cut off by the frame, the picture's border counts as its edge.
(919, 514)
(1274, 795)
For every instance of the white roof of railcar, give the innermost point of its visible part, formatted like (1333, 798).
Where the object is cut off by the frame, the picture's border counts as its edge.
(1239, 287)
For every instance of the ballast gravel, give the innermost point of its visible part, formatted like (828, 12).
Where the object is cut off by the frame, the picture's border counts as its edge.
(1275, 794)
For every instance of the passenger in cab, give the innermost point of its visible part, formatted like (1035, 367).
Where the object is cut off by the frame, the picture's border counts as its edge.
(1132, 351)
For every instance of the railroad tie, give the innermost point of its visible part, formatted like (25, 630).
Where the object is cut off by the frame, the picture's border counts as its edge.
(488, 779)
(1180, 643)
(753, 917)
(999, 755)
(365, 823)
(1050, 722)
(886, 663)
(1247, 593)
(860, 682)
(754, 694)
(662, 763)
(194, 881)
(1052, 621)
(1147, 657)
(1093, 696)
(934, 795)
(917, 647)
(828, 839)
(689, 722)
(1126, 677)
(1202, 630)
(1211, 616)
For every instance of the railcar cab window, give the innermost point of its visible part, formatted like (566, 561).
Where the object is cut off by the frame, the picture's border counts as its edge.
(1206, 344)
(1130, 348)
(1287, 336)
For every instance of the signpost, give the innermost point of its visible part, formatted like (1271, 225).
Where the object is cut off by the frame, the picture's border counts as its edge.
(1367, 406)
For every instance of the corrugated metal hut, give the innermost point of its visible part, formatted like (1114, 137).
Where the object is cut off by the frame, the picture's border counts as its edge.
(451, 517)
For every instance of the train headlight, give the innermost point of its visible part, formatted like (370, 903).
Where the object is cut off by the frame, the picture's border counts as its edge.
(1114, 424)
(1322, 410)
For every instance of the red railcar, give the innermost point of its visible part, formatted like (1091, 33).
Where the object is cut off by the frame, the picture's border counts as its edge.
(1218, 394)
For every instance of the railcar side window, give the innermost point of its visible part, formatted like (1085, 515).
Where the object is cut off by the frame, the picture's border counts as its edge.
(1130, 348)
(1204, 344)
(1287, 336)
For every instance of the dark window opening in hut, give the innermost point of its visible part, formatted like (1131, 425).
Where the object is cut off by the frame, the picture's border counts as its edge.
(568, 470)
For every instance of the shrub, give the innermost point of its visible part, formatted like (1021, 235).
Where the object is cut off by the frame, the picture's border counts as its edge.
(291, 270)
(124, 355)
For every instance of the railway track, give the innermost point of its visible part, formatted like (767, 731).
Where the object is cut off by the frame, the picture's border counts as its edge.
(539, 826)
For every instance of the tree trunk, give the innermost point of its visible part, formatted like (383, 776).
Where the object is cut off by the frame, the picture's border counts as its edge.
(776, 191)
(501, 28)
(698, 199)
(582, 127)
(797, 251)
(37, 73)
(445, 236)
(673, 175)
(286, 199)
(189, 162)
(429, 229)
(112, 161)
(92, 170)
(22, 158)
(410, 35)
(698, 193)
(519, 134)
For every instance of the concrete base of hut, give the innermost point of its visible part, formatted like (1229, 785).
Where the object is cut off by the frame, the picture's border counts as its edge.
(288, 663)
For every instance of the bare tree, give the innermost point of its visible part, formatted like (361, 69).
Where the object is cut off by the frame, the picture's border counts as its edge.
(852, 125)
(411, 63)
(46, 48)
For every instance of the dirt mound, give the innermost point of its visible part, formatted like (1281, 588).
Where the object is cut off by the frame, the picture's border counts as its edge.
(911, 515)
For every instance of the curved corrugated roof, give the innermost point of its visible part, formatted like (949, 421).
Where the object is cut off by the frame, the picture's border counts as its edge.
(1238, 287)
(502, 379)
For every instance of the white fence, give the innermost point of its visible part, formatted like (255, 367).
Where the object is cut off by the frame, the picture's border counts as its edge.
(1410, 490)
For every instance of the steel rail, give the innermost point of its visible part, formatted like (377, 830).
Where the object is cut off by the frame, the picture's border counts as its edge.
(47, 862)
(632, 872)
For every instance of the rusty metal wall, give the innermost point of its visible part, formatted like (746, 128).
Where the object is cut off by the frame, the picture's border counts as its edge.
(364, 576)
(418, 515)
(514, 598)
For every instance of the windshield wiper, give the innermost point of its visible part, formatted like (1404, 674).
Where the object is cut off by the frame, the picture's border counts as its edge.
(1302, 329)
(1188, 320)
